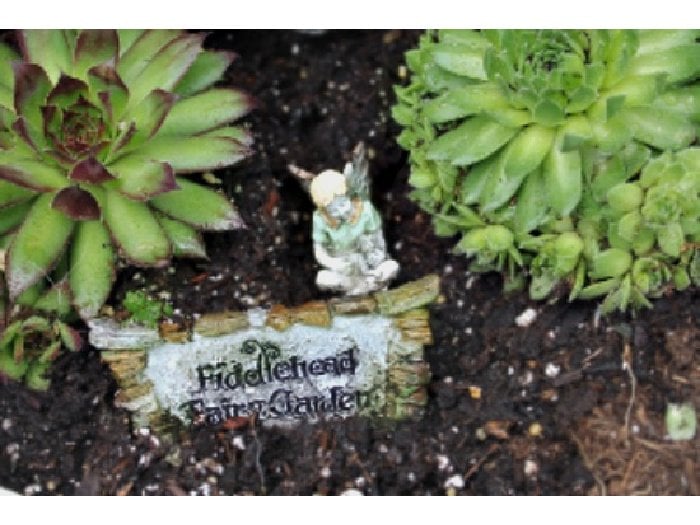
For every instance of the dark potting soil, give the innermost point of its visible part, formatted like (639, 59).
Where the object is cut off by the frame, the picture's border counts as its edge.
(543, 409)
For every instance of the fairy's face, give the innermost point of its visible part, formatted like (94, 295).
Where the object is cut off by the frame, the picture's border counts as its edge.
(340, 208)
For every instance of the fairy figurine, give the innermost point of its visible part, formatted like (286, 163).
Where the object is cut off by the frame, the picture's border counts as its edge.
(347, 229)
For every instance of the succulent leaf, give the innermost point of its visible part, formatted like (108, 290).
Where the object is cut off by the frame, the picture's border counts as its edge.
(669, 131)
(11, 194)
(39, 243)
(166, 67)
(186, 241)
(36, 376)
(127, 37)
(136, 231)
(107, 88)
(7, 56)
(47, 47)
(563, 177)
(141, 178)
(32, 85)
(471, 142)
(77, 204)
(92, 267)
(30, 173)
(140, 53)
(70, 337)
(207, 68)
(94, 47)
(192, 154)
(11, 368)
(240, 135)
(527, 150)
(205, 111)
(13, 216)
(198, 206)
(148, 115)
(57, 299)
(91, 171)
(678, 62)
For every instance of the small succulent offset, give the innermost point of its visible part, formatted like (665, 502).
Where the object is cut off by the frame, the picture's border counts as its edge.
(145, 310)
(553, 150)
(28, 347)
(96, 129)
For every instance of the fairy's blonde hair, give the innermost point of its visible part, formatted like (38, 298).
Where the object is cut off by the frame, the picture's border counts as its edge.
(326, 186)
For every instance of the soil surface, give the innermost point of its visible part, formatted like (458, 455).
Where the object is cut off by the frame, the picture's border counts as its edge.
(555, 410)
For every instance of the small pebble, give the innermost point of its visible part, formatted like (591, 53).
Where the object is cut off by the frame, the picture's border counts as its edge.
(535, 430)
(456, 481)
(30, 490)
(526, 378)
(552, 370)
(6, 424)
(238, 442)
(325, 472)
(530, 467)
(351, 492)
(443, 462)
(480, 434)
(475, 392)
(526, 318)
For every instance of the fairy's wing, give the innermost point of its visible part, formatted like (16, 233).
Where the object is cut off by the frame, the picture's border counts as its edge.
(305, 177)
(357, 173)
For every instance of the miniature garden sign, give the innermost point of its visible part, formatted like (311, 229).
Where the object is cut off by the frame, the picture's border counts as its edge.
(346, 356)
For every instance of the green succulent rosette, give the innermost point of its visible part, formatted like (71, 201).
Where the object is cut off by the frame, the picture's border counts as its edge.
(97, 132)
(642, 232)
(513, 130)
(29, 346)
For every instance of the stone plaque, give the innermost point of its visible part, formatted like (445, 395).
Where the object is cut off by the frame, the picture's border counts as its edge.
(344, 357)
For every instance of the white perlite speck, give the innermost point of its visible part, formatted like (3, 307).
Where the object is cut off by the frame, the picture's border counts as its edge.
(351, 492)
(530, 467)
(526, 318)
(552, 370)
(455, 481)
